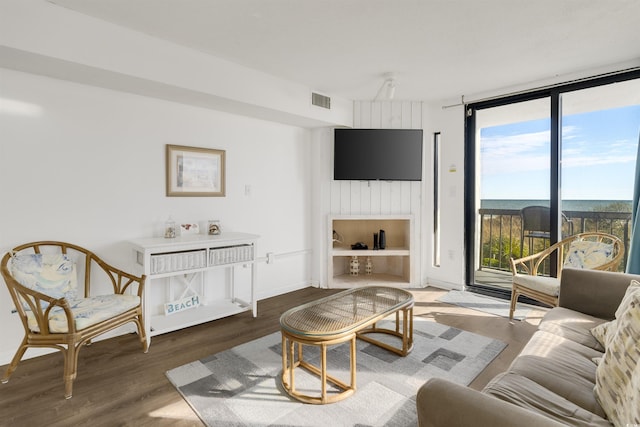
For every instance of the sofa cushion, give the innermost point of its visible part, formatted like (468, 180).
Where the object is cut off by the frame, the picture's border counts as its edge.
(562, 366)
(601, 332)
(604, 332)
(544, 284)
(618, 374)
(572, 325)
(528, 394)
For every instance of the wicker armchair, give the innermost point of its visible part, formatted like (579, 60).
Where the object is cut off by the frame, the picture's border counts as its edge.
(42, 279)
(593, 250)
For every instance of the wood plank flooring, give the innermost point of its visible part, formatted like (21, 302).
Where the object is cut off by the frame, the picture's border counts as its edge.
(118, 385)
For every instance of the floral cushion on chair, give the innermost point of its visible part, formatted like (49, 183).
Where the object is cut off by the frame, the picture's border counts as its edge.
(55, 275)
(87, 312)
(586, 254)
(51, 274)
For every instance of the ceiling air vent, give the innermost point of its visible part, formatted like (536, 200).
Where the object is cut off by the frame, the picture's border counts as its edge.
(321, 100)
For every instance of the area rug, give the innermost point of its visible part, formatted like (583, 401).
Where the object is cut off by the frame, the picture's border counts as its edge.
(498, 307)
(241, 386)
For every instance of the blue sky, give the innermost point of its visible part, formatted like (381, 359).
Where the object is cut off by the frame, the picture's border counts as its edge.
(598, 157)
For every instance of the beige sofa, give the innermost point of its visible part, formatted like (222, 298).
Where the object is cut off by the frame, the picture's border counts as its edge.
(551, 382)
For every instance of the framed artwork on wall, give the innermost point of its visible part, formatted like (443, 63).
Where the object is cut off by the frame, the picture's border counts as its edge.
(195, 172)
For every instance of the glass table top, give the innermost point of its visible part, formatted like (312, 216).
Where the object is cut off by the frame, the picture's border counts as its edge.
(344, 311)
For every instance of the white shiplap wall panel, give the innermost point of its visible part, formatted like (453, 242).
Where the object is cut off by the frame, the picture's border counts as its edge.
(376, 197)
(356, 203)
(376, 116)
(385, 196)
(382, 197)
(365, 198)
(395, 204)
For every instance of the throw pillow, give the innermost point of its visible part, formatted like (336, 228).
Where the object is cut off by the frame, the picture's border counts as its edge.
(53, 274)
(601, 331)
(605, 331)
(633, 289)
(617, 386)
(587, 254)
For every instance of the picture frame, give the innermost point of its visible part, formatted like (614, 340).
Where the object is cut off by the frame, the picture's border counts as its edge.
(194, 171)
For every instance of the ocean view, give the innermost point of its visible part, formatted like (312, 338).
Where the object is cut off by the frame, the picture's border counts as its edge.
(567, 205)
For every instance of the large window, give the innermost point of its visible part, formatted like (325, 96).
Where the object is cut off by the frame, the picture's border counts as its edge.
(562, 159)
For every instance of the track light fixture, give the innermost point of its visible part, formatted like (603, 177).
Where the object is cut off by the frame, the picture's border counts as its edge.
(388, 89)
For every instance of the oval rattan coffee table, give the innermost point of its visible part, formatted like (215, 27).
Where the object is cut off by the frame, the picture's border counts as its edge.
(339, 318)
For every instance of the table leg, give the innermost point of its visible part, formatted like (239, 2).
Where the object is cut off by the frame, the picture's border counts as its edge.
(353, 362)
(284, 357)
(397, 320)
(404, 330)
(323, 372)
(292, 384)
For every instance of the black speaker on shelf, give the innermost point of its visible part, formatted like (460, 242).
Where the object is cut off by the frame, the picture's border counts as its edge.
(375, 241)
(382, 240)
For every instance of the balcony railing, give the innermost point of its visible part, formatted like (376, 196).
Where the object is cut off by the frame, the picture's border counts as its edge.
(500, 233)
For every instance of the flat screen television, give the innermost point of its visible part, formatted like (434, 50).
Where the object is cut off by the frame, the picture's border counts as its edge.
(377, 154)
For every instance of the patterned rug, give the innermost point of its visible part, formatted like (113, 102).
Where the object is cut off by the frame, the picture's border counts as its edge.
(498, 307)
(241, 386)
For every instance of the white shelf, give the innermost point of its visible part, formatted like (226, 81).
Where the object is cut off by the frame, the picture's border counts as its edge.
(371, 252)
(161, 324)
(392, 266)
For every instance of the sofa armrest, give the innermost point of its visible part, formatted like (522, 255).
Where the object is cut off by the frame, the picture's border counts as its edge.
(443, 403)
(593, 292)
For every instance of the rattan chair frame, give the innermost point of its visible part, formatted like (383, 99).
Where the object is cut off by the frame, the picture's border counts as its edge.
(531, 264)
(69, 343)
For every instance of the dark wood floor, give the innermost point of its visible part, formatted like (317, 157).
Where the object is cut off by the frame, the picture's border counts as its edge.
(118, 385)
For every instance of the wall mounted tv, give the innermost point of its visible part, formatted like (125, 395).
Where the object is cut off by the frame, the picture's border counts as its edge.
(377, 154)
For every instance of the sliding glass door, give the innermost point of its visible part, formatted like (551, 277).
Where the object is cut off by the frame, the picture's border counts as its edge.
(545, 165)
(513, 172)
(599, 146)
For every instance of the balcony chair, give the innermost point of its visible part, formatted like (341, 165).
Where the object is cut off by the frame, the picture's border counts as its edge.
(592, 250)
(536, 224)
(42, 278)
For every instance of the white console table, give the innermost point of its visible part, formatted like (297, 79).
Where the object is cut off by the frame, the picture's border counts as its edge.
(184, 268)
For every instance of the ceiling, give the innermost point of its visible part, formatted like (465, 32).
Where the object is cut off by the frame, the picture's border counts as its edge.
(438, 49)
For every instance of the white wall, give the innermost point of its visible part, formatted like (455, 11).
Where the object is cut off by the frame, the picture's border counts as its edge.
(86, 165)
(450, 124)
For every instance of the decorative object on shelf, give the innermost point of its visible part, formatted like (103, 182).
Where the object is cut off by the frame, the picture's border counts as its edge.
(359, 246)
(382, 240)
(189, 228)
(214, 227)
(354, 266)
(169, 228)
(395, 266)
(368, 267)
(195, 172)
(375, 242)
(182, 304)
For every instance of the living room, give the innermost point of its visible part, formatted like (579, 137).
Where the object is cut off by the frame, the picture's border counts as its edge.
(88, 107)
